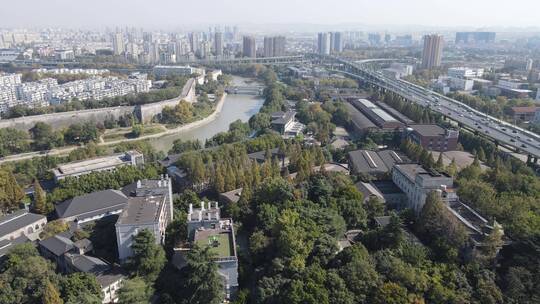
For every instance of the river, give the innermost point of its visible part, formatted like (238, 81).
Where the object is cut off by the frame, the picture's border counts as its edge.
(236, 106)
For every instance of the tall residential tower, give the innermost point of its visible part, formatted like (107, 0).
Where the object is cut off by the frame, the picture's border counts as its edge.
(432, 54)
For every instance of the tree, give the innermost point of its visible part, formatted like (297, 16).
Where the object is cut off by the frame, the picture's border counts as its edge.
(134, 291)
(41, 205)
(53, 228)
(439, 165)
(137, 130)
(11, 194)
(353, 212)
(44, 136)
(374, 207)
(81, 288)
(443, 231)
(148, 257)
(201, 283)
(51, 294)
(260, 121)
(391, 293)
(493, 242)
(452, 168)
(25, 275)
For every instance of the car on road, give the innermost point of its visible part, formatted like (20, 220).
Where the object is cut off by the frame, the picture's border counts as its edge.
(523, 145)
(512, 140)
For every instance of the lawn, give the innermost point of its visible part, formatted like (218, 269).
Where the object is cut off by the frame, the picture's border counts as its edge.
(220, 244)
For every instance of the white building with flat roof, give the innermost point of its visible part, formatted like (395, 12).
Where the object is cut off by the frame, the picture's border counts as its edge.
(108, 163)
(171, 70)
(417, 182)
(464, 72)
(151, 208)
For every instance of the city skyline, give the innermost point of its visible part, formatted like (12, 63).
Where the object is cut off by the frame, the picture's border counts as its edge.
(172, 14)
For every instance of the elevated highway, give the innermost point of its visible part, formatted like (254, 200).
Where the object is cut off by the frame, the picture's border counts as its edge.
(501, 132)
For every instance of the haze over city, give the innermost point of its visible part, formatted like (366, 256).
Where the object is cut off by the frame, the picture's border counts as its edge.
(174, 13)
(269, 152)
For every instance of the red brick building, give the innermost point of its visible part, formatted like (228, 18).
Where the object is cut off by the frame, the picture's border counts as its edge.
(433, 137)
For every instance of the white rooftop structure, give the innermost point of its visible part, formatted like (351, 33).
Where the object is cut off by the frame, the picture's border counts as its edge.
(108, 163)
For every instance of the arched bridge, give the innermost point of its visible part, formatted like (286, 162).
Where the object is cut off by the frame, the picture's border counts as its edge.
(247, 90)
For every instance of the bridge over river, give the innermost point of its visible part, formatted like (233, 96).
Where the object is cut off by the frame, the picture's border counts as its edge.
(245, 90)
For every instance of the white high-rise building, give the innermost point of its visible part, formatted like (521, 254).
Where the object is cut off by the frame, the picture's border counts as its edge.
(337, 42)
(118, 43)
(323, 43)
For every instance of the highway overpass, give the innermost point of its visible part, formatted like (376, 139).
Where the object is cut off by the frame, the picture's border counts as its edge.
(499, 131)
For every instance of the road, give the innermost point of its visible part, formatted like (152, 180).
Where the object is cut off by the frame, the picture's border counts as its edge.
(498, 130)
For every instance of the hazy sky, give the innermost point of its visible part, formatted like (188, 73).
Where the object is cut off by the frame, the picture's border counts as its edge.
(177, 13)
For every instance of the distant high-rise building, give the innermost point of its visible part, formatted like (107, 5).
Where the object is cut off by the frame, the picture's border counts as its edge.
(195, 42)
(323, 43)
(118, 43)
(374, 38)
(218, 44)
(279, 46)
(249, 47)
(337, 42)
(432, 54)
(268, 47)
(475, 37)
(274, 46)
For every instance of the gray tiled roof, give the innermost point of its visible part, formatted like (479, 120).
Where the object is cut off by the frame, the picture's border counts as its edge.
(17, 220)
(58, 244)
(110, 277)
(102, 201)
(428, 130)
(6, 245)
(141, 210)
(365, 161)
(85, 263)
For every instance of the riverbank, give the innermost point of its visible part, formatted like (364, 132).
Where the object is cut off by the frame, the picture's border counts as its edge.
(67, 150)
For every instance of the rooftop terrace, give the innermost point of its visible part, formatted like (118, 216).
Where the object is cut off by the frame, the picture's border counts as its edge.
(220, 241)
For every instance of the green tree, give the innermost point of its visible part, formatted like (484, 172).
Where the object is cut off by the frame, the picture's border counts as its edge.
(41, 205)
(137, 130)
(443, 231)
(439, 165)
(452, 168)
(201, 283)
(134, 291)
(80, 288)
(391, 293)
(25, 275)
(148, 257)
(44, 136)
(53, 228)
(11, 194)
(374, 207)
(51, 294)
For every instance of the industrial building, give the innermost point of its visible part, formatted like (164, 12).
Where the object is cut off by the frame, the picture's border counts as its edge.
(374, 163)
(375, 114)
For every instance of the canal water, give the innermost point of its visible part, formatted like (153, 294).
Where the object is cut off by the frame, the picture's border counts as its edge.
(235, 106)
